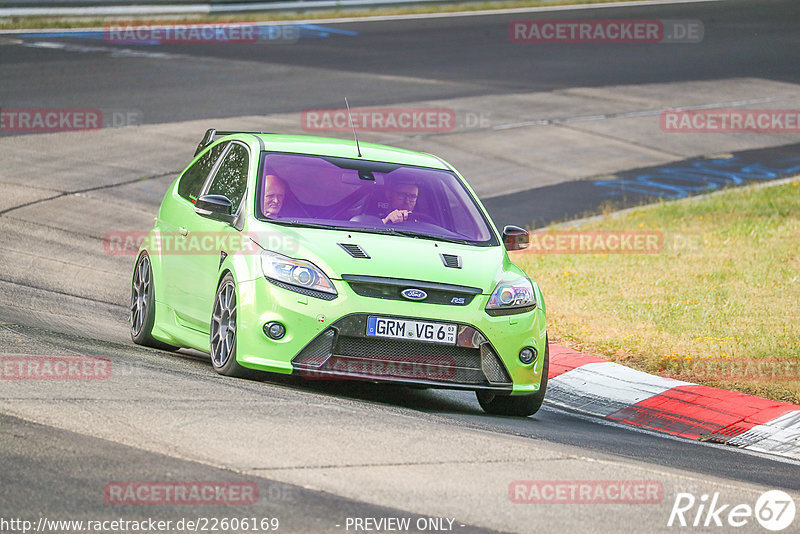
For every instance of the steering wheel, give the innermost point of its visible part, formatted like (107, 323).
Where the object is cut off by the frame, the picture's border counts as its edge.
(366, 219)
(421, 218)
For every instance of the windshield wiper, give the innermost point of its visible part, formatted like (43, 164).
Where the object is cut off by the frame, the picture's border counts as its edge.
(373, 230)
(419, 235)
(295, 222)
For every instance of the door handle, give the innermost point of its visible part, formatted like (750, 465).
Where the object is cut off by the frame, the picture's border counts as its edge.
(184, 231)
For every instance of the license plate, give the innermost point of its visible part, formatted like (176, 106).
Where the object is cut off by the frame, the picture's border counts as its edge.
(412, 330)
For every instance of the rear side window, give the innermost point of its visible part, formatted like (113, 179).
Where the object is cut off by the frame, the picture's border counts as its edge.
(231, 177)
(195, 176)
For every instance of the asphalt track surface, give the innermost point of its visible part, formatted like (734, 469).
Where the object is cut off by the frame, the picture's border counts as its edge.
(399, 61)
(54, 472)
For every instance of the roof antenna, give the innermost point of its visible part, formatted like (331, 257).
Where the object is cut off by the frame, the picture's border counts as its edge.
(353, 126)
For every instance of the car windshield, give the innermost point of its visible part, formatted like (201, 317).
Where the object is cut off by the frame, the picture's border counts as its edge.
(371, 197)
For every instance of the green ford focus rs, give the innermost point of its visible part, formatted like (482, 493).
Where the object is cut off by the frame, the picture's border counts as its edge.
(313, 256)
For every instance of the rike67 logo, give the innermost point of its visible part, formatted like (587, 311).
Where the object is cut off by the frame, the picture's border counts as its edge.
(774, 510)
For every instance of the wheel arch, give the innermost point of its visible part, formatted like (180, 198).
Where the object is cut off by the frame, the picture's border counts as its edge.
(156, 267)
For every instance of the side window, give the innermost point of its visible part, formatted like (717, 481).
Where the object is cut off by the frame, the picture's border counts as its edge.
(231, 177)
(195, 176)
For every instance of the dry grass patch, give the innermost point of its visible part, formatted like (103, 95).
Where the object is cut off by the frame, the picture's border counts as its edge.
(719, 305)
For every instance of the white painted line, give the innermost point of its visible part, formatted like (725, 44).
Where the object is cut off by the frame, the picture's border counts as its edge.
(556, 406)
(602, 388)
(112, 51)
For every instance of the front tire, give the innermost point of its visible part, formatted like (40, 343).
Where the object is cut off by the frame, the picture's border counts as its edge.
(143, 310)
(518, 406)
(223, 331)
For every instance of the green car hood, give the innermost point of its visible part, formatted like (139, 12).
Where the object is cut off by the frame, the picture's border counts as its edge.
(389, 256)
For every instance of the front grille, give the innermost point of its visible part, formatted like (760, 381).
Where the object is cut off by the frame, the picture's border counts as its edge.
(343, 351)
(391, 289)
(401, 369)
(368, 347)
(492, 368)
(318, 351)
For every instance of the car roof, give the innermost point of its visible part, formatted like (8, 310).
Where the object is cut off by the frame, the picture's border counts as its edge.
(342, 148)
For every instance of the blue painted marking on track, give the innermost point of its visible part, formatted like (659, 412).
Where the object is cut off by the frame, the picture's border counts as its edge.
(93, 34)
(699, 176)
(315, 30)
(266, 32)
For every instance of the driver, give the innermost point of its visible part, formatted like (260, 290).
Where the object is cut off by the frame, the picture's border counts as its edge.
(401, 199)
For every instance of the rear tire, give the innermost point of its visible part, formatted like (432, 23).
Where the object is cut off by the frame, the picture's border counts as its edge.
(521, 405)
(143, 311)
(223, 331)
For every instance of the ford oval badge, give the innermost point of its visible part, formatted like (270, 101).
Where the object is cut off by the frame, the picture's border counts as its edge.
(414, 294)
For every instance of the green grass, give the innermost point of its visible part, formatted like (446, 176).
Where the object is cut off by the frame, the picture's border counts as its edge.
(16, 23)
(724, 311)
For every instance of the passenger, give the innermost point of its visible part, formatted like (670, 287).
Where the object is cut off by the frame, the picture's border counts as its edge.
(274, 193)
(402, 198)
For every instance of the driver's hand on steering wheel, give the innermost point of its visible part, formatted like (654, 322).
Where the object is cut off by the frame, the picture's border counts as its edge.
(397, 216)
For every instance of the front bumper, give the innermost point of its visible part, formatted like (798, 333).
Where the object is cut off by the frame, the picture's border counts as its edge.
(327, 340)
(344, 351)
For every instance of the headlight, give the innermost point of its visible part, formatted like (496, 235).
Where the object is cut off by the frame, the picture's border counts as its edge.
(515, 296)
(297, 274)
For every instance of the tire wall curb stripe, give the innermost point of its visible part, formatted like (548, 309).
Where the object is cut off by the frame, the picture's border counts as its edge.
(598, 387)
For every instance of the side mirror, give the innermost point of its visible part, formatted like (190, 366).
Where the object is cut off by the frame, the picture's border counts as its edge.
(217, 207)
(515, 238)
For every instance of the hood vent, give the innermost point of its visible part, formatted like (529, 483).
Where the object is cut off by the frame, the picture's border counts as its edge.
(354, 250)
(451, 260)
